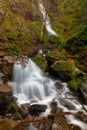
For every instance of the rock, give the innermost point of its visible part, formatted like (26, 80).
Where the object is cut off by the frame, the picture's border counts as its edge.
(7, 66)
(6, 100)
(60, 123)
(9, 124)
(23, 112)
(64, 69)
(36, 109)
(40, 61)
(75, 127)
(81, 116)
(75, 84)
(53, 106)
(52, 57)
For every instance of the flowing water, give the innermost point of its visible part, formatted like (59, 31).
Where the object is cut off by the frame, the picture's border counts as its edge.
(30, 85)
(46, 20)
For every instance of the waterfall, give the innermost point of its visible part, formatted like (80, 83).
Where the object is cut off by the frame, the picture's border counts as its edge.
(30, 85)
(46, 20)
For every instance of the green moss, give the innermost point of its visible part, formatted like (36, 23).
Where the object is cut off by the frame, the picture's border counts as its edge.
(13, 50)
(64, 67)
(41, 62)
(11, 37)
(35, 30)
(63, 54)
(74, 84)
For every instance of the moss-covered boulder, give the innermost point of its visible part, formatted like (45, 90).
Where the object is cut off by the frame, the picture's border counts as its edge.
(66, 69)
(56, 55)
(40, 61)
(52, 57)
(75, 84)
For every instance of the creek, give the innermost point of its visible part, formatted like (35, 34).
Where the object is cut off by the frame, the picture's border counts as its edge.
(31, 85)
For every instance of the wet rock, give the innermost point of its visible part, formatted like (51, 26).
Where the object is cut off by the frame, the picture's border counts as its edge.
(53, 106)
(23, 112)
(81, 116)
(36, 109)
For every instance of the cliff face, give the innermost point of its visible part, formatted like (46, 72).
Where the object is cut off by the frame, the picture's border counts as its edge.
(21, 19)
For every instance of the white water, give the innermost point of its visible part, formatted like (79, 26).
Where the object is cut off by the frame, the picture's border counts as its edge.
(46, 20)
(31, 86)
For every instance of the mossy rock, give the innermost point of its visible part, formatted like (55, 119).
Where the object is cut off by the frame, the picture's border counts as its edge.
(51, 58)
(63, 54)
(65, 69)
(74, 84)
(40, 61)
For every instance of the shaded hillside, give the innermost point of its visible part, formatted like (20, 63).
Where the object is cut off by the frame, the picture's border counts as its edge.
(77, 45)
(20, 20)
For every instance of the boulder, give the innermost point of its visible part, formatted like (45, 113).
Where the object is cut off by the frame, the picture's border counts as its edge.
(36, 109)
(64, 69)
(40, 61)
(75, 84)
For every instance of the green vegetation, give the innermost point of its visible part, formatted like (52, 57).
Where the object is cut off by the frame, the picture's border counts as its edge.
(74, 85)
(40, 61)
(13, 50)
(77, 45)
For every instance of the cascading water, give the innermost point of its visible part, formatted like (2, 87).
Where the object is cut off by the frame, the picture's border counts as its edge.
(46, 20)
(30, 85)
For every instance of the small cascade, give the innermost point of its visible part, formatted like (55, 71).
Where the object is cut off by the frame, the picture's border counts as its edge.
(46, 20)
(30, 85)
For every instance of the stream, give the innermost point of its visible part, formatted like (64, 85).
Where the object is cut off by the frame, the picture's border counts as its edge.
(31, 85)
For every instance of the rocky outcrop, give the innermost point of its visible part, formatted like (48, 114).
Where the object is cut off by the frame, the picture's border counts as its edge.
(7, 67)
(6, 97)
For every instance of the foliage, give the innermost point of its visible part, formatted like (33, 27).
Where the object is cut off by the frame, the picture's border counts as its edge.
(11, 37)
(13, 50)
